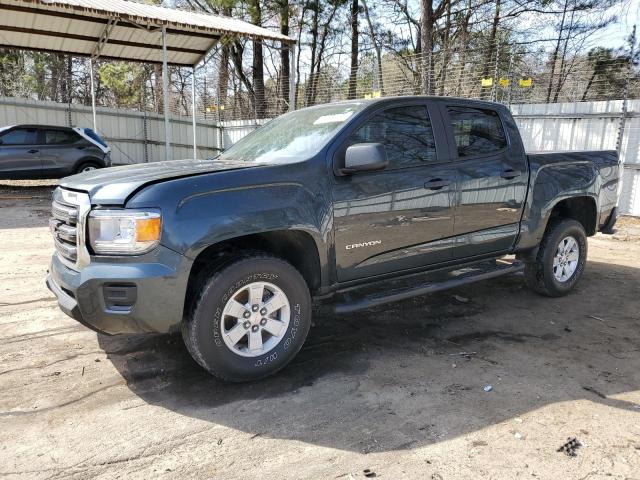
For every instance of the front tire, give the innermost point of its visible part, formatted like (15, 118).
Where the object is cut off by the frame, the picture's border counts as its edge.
(560, 261)
(249, 318)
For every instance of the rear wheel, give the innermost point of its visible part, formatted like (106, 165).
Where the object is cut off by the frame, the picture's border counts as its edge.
(560, 260)
(87, 167)
(248, 318)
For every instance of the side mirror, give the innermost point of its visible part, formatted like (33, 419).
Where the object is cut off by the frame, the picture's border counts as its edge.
(365, 157)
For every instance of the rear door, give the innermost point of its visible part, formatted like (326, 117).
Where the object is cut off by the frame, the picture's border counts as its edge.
(60, 149)
(492, 177)
(19, 154)
(401, 217)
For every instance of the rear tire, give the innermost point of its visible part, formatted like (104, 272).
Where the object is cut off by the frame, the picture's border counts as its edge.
(560, 261)
(234, 331)
(88, 167)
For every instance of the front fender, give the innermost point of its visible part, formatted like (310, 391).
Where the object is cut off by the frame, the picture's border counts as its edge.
(207, 218)
(199, 211)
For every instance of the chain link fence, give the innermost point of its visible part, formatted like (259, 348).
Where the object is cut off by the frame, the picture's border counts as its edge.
(226, 90)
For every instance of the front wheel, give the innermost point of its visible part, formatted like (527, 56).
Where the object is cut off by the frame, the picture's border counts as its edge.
(561, 259)
(249, 318)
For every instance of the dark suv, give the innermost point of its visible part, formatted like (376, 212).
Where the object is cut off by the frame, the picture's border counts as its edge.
(42, 151)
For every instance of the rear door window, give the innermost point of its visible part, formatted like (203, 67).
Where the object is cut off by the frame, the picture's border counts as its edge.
(61, 137)
(20, 136)
(405, 132)
(477, 131)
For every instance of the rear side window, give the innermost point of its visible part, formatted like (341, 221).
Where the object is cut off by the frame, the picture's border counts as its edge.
(477, 131)
(20, 136)
(61, 137)
(405, 132)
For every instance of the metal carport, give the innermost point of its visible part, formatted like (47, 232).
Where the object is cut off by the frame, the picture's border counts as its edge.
(127, 31)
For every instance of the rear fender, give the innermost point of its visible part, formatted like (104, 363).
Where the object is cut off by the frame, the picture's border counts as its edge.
(551, 184)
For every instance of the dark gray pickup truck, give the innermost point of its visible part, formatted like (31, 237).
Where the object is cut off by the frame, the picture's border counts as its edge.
(359, 203)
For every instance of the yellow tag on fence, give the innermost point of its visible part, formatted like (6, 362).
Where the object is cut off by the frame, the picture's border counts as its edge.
(367, 96)
(504, 82)
(376, 94)
(525, 82)
(487, 82)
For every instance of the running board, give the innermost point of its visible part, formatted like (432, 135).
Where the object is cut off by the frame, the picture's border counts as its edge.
(434, 282)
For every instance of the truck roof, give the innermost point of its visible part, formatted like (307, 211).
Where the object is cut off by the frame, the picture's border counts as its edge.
(424, 97)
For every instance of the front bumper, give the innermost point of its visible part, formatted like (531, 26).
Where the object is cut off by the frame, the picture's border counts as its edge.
(158, 279)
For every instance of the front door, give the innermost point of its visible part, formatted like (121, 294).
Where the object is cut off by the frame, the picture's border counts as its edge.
(401, 217)
(19, 154)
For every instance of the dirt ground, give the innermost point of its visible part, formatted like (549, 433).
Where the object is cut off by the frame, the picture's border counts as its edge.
(388, 393)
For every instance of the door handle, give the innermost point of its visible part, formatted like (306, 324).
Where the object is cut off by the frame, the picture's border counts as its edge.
(510, 174)
(33, 150)
(436, 184)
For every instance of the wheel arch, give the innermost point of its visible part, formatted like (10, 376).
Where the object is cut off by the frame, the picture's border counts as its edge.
(297, 247)
(581, 208)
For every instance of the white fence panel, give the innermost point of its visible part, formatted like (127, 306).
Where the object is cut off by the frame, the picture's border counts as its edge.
(587, 126)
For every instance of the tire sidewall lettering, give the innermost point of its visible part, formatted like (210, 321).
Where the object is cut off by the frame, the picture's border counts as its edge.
(286, 343)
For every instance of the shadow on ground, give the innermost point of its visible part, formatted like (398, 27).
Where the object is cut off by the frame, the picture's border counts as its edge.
(25, 206)
(397, 377)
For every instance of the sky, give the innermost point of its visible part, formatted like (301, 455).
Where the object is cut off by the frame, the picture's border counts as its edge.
(616, 35)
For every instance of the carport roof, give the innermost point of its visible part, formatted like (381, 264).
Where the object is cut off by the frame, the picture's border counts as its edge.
(118, 30)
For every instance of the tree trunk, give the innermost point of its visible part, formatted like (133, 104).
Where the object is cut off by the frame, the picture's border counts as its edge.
(464, 46)
(321, 48)
(285, 67)
(223, 76)
(257, 72)
(554, 57)
(299, 47)
(563, 60)
(445, 48)
(376, 46)
(314, 45)
(426, 45)
(491, 51)
(157, 87)
(351, 93)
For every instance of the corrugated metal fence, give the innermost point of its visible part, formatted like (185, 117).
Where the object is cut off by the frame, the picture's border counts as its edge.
(588, 126)
(139, 137)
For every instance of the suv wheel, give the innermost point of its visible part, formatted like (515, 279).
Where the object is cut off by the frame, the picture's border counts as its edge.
(561, 259)
(249, 318)
(87, 167)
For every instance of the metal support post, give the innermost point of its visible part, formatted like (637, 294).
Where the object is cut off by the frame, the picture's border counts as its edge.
(93, 96)
(193, 112)
(165, 95)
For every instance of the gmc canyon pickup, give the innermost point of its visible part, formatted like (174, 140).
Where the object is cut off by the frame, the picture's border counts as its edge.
(359, 203)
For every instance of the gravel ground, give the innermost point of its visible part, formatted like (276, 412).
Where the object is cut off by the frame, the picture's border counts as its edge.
(397, 392)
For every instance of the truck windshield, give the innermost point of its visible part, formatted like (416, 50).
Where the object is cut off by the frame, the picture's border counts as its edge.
(294, 136)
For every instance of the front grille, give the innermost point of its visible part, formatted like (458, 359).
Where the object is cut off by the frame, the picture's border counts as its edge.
(68, 210)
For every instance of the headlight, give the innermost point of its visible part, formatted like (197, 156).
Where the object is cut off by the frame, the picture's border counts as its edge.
(124, 232)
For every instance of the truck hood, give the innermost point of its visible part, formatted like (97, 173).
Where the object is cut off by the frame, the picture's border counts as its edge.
(112, 186)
